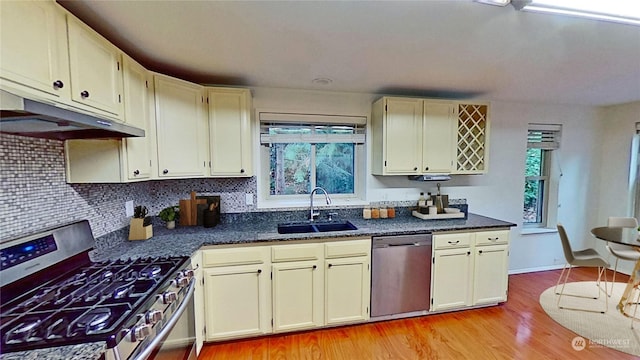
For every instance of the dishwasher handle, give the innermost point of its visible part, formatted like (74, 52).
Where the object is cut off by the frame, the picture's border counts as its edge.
(403, 244)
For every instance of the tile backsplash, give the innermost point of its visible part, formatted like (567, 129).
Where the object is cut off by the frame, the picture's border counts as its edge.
(34, 194)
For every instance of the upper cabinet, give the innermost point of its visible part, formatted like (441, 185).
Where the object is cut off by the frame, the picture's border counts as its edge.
(181, 128)
(472, 139)
(96, 71)
(49, 55)
(412, 136)
(118, 160)
(34, 56)
(230, 131)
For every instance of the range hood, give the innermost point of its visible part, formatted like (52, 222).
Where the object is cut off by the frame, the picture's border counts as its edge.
(430, 177)
(31, 118)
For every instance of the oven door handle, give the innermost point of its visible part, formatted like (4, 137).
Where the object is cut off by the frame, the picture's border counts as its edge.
(166, 329)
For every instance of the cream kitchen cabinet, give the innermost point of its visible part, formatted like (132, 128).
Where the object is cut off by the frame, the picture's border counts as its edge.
(237, 292)
(491, 266)
(298, 287)
(469, 269)
(181, 128)
(347, 281)
(96, 70)
(472, 139)
(412, 136)
(118, 160)
(34, 60)
(198, 299)
(230, 133)
(452, 271)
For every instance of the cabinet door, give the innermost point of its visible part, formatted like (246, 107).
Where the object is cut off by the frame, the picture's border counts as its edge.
(403, 136)
(438, 137)
(181, 128)
(34, 47)
(452, 275)
(472, 139)
(236, 301)
(491, 265)
(297, 295)
(347, 290)
(198, 299)
(136, 89)
(230, 132)
(96, 74)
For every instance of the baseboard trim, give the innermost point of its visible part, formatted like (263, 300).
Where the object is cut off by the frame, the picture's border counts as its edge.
(535, 269)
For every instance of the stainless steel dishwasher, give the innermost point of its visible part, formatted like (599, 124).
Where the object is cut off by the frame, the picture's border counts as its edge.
(400, 274)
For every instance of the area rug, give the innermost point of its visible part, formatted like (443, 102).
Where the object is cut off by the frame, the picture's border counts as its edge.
(611, 329)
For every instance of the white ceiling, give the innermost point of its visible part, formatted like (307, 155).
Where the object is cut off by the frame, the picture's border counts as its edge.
(424, 48)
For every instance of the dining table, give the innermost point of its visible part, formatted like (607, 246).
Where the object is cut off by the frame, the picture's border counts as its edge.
(624, 236)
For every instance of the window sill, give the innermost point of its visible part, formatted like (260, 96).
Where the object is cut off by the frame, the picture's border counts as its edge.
(531, 231)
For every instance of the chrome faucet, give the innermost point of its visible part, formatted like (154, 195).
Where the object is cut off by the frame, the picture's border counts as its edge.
(313, 214)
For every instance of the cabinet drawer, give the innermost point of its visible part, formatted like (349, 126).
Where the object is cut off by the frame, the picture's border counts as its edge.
(448, 241)
(243, 256)
(492, 237)
(347, 248)
(296, 252)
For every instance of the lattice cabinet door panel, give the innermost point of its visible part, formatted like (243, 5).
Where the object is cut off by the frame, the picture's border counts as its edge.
(473, 131)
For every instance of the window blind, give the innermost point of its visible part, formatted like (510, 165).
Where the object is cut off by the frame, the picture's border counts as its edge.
(544, 136)
(310, 128)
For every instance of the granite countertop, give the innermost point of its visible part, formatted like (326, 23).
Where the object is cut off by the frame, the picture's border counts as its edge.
(242, 229)
(184, 241)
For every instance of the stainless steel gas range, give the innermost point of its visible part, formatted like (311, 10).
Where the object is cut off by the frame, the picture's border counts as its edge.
(53, 295)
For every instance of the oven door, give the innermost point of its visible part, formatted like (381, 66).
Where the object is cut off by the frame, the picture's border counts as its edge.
(177, 339)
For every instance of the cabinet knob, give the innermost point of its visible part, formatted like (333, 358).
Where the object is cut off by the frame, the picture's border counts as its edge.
(84, 94)
(415, 168)
(426, 169)
(468, 252)
(165, 171)
(315, 266)
(330, 265)
(480, 252)
(241, 171)
(136, 172)
(259, 271)
(58, 84)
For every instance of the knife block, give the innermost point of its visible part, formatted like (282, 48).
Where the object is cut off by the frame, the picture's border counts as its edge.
(137, 230)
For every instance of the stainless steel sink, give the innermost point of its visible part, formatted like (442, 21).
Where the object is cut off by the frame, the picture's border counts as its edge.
(314, 227)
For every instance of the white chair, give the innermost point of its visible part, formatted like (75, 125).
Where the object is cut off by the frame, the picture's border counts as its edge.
(585, 258)
(620, 251)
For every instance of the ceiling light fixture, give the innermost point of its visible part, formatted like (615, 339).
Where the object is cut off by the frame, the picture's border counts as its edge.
(322, 81)
(494, 2)
(618, 11)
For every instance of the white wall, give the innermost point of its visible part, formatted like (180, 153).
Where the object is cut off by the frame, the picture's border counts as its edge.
(499, 194)
(619, 126)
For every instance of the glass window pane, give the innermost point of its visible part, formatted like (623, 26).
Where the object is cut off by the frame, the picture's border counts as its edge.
(534, 162)
(335, 167)
(533, 201)
(290, 166)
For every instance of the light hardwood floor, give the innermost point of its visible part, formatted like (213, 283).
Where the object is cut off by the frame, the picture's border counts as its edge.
(518, 329)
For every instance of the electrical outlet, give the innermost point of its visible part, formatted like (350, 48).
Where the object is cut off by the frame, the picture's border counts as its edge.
(248, 199)
(128, 208)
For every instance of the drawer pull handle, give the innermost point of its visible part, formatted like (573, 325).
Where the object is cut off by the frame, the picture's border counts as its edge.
(493, 239)
(453, 242)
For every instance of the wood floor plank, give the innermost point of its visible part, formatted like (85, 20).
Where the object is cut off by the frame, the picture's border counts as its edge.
(518, 329)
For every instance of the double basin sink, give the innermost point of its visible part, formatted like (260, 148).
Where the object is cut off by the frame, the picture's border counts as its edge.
(315, 227)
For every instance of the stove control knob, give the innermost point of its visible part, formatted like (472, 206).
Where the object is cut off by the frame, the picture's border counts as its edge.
(180, 281)
(188, 274)
(140, 332)
(153, 316)
(168, 297)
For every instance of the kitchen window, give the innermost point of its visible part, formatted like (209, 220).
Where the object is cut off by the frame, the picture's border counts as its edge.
(541, 176)
(302, 151)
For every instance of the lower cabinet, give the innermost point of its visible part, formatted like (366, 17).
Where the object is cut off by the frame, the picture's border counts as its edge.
(256, 290)
(469, 269)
